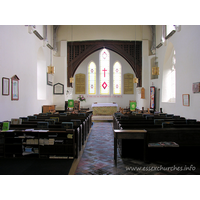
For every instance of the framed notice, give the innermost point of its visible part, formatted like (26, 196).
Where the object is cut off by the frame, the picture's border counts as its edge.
(15, 88)
(49, 79)
(186, 99)
(58, 88)
(196, 87)
(5, 86)
(152, 97)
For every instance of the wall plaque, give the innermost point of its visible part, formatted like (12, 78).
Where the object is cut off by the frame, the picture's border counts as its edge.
(58, 88)
(196, 87)
(128, 83)
(142, 93)
(80, 84)
(15, 88)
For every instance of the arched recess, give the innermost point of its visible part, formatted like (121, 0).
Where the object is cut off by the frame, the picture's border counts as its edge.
(41, 75)
(131, 51)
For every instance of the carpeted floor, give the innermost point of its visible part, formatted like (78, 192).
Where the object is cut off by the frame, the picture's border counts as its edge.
(98, 158)
(102, 118)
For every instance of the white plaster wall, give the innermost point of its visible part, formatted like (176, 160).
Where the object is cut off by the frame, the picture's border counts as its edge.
(18, 55)
(187, 46)
(103, 32)
(60, 76)
(145, 75)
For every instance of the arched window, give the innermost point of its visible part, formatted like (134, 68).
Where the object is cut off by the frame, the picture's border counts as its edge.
(117, 78)
(92, 78)
(104, 72)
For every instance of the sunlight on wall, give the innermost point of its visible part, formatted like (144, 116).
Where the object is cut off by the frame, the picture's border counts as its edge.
(169, 76)
(41, 75)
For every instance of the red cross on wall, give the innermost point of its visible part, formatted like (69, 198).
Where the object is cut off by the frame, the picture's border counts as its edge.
(104, 72)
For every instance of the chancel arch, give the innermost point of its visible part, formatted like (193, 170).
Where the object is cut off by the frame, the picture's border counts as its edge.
(131, 51)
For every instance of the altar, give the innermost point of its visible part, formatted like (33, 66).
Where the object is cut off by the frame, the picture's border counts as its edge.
(104, 108)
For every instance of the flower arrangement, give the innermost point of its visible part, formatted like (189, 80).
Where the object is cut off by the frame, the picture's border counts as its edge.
(81, 98)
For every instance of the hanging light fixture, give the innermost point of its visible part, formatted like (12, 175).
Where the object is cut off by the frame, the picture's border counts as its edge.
(155, 69)
(51, 68)
(135, 79)
(71, 78)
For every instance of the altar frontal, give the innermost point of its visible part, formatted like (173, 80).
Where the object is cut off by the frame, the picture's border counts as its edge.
(104, 108)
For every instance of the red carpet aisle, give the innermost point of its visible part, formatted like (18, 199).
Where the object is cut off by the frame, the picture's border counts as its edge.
(98, 155)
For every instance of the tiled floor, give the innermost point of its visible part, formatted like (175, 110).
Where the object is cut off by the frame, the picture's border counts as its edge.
(98, 158)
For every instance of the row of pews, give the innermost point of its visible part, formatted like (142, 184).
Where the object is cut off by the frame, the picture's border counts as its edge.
(47, 135)
(137, 132)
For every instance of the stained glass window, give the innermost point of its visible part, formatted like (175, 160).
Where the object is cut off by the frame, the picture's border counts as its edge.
(117, 78)
(92, 78)
(104, 72)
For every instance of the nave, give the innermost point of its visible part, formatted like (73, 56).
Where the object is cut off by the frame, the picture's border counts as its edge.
(98, 158)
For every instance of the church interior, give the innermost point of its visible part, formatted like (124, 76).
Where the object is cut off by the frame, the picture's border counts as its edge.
(99, 100)
(27, 57)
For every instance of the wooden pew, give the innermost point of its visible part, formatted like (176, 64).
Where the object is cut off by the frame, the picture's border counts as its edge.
(142, 119)
(78, 138)
(86, 121)
(18, 140)
(82, 137)
(135, 124)
(184, 137)
(31, 123)
(87, 118)
(175, 124)
(143, 124)
(128, 134)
